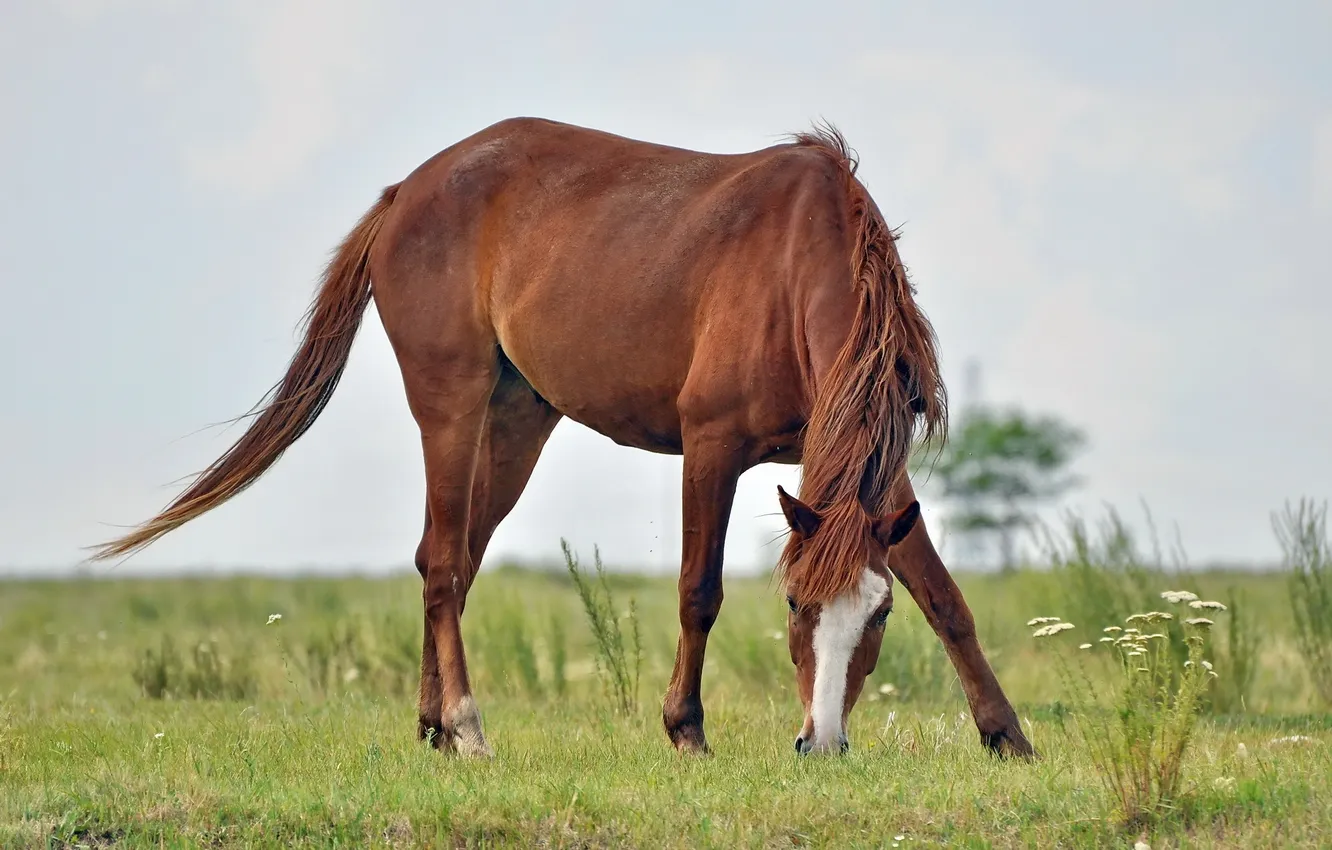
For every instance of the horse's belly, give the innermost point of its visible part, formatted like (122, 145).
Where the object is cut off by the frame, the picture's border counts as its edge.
(604, 391)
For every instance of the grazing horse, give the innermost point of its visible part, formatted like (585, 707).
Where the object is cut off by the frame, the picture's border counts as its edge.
(735, 309)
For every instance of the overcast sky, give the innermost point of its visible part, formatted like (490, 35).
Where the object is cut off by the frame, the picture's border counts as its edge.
(1123, 215)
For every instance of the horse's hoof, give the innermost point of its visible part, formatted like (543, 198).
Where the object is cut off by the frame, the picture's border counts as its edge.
(1009, 742)
(691, 741)
(464, 732)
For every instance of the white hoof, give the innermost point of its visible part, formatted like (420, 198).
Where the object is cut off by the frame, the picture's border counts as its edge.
(468, 738)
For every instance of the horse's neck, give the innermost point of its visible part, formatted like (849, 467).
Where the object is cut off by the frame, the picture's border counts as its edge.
(828, 310)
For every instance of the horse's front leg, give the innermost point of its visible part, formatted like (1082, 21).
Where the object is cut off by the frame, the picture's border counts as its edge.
(712, 466)
(918, 566)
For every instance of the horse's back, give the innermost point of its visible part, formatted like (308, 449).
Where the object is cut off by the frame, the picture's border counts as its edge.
(621, 277)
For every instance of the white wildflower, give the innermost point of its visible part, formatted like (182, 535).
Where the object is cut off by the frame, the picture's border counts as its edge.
(1040, 621)
(1207, 665)
(1085, 646)
(1207, 605)
(1150, 617)
(159, 736)
(1202, 622)
(1107, 640)
(273, 618)
(1134, 653)
(887, 689)
(1242, 751)
(1178, 596)
(1111, 629)
(1141, 845)
(1293, 739)
(1052, 629)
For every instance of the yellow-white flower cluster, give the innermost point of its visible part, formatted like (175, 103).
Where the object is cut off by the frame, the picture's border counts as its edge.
(1178, 596)
(1051, 629)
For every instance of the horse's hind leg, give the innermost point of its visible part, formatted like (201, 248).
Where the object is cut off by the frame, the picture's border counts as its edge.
(449, 372)
(518, 423)
(430, 697)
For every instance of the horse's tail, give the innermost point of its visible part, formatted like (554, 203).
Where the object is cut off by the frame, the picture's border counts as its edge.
(293, 404)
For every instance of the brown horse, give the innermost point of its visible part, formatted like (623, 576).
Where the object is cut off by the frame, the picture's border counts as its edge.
(735, 309)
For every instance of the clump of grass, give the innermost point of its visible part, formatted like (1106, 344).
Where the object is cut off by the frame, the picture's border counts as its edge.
(1101, 575)
(912, 665)
(618, 670)
(1155, 701)
(6, 736)
(207, 673)
(1307, 556)
(750, 646)
(354, 652)
(557, 647)
(1239, 656)
(157, 670)
(524, 656)
(507, 652)
(1104, 576)
(328, 656)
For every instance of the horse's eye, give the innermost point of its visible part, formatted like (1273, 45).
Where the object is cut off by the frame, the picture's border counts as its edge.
(790, 603)
(882, 618)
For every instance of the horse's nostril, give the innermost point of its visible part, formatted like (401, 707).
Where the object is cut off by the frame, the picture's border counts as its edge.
(800, 745)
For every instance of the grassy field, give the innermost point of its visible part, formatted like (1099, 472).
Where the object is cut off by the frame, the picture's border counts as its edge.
(172, 713)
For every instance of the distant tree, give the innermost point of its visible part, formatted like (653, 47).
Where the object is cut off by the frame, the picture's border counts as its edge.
(996, 467)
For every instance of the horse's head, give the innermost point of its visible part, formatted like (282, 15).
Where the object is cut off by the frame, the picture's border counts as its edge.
(835, 642)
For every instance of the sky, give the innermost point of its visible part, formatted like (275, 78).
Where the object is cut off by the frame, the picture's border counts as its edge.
(1120, 211)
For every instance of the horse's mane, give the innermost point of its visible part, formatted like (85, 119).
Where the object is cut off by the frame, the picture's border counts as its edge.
(884, 383)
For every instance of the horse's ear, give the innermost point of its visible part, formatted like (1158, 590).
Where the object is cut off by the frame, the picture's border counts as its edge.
(890, 530)
(800, 516)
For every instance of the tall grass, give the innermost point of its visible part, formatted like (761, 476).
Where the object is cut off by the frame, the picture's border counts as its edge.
(1101, 574)
(506, 650)
(913, 666)
(558, 651)
(619, 671)
(750, 645)
(206, 673)
(379, 654)
(1238, 656)
(1302, 532)
(1154, 702)
(6, 735)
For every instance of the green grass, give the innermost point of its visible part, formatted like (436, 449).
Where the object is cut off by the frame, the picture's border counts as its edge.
(302, 733)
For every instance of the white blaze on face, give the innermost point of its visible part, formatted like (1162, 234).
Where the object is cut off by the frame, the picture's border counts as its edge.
(836, 636)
